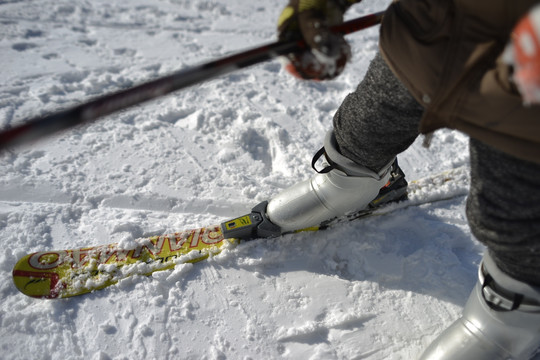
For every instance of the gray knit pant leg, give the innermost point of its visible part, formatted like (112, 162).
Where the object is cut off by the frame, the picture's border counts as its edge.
(503, 209)
(377, 121)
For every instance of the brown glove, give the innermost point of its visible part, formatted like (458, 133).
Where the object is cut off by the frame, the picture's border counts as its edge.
(311, 20)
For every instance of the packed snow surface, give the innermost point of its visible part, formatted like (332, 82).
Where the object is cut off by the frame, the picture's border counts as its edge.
(381, 288)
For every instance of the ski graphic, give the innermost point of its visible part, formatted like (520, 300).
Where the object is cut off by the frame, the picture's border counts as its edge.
(65, 273)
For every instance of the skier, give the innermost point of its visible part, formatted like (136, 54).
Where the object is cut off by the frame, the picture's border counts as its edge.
(441, 64)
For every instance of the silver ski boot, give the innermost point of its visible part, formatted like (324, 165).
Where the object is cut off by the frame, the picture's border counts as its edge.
(501, 320)
(342, 187)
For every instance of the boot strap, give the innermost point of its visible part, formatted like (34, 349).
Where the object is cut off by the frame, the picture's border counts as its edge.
(500, 300)
(316, 158)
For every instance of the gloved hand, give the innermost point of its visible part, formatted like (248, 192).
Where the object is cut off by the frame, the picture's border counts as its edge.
(523, 52)
(311, 20)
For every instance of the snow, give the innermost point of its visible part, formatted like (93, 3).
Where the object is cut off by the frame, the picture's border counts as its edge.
(382, 288)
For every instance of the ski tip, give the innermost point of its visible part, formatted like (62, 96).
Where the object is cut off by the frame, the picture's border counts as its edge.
(36, 284)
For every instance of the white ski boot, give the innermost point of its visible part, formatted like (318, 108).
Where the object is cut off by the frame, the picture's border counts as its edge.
(501, 320)
(340, 188)
(344, 188)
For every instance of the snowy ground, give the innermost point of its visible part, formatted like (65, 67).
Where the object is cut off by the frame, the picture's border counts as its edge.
(377, 289)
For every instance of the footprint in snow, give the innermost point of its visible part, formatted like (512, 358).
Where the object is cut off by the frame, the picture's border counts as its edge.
(33, 34)
(23, 46)
(257, 146)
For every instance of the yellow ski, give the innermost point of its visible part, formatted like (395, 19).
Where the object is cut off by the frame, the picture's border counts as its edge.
(65, 273)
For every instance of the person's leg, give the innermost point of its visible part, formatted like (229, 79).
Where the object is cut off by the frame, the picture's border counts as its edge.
(373, 124)
(379, 120)
(503, 209)
(501, 319)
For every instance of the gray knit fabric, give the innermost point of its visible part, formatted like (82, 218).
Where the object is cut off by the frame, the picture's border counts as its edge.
(377, 121)
(503, 210)
(380, 120)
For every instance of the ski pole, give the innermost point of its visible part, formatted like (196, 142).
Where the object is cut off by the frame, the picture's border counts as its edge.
(39, 127)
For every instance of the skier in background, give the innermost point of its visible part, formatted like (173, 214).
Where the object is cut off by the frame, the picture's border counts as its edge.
(473, 66)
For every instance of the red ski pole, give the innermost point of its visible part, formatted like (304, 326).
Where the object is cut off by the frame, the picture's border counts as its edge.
(36, 128)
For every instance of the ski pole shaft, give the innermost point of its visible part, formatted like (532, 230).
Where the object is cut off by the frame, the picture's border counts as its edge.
(39, 127)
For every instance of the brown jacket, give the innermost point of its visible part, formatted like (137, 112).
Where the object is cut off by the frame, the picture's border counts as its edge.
(448, 53)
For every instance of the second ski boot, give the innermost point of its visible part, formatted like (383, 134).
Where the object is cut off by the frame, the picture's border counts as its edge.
(501, 321)
(341, 188)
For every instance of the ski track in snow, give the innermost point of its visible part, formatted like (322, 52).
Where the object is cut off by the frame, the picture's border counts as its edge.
(375, 289)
